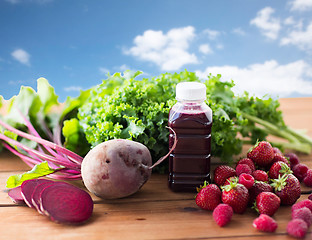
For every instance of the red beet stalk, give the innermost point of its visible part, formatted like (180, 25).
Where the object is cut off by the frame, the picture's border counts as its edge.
(66, 163)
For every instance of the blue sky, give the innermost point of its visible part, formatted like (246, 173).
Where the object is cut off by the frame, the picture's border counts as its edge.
(264, 46)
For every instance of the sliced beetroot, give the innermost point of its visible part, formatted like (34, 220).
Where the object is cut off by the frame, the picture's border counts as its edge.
(65, 203)
(36, 194)
(28, 187)
(16, 195)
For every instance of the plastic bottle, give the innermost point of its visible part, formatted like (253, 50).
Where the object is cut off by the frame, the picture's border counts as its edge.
(191, 119)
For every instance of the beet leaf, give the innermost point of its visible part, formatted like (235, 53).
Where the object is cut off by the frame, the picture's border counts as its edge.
(39, 170)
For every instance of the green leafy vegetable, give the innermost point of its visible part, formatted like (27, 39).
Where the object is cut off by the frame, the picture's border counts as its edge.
(46, 114)
(126, 107)
(74, 137)
(36, 106)
(38, 170)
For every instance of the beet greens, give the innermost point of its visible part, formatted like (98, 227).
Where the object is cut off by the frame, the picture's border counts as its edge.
(63, 164)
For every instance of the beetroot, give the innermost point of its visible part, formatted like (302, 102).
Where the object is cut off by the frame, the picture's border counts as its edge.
(16, 195)
(35, 197)
(116, 168)
(27, 189)
(65, 203)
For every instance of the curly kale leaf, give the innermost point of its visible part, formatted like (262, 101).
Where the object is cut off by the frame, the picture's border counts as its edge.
(125, 107)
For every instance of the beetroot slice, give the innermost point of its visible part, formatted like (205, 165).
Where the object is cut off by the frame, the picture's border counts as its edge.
(35, 196)
(16, 195)
(38, 194)
(28, 187)
(65, 203)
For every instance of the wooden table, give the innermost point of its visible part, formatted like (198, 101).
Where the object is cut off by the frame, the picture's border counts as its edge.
(153, 213)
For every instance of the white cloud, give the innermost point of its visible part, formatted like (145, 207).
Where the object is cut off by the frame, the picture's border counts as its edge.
(300, 38)
(205, 49)
(220, 46)
(291, 24)
(22, 56)
(22, 82)
(267, 78)
(239, 31)
(124, 67)
(301, 5)
(72, 89)
(104, 70)
(169, 51)
(68, 68)
(212, 34)
(289, 21)
(268, 25)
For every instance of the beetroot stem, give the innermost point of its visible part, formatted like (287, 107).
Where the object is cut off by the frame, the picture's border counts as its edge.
(170, 151)
(33, 131)
(29, 161)
(73, 156)
(39, 154)
(65, 177)
(66, 174)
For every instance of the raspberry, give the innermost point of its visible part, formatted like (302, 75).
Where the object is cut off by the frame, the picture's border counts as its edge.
(304, 203)
(242, 168)
(304, 214)
(308, 178)
(260, 175)
(265, 223)
(300, 171)
(249, 162)
(247, 180)
(297, 228)
(222, 214)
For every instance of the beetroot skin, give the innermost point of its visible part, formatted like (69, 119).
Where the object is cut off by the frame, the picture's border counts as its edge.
(16, 195)
(116, 168)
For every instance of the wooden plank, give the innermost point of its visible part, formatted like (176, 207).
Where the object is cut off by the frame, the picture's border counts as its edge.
(148, 220)
(9, 162)
(143, 213)
(155, 189)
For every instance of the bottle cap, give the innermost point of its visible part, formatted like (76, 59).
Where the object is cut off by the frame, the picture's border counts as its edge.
(191, 91)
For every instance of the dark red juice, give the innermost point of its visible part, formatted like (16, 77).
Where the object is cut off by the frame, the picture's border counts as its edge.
(189, 163)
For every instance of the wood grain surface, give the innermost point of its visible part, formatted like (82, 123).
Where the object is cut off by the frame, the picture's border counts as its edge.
(154, 212)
